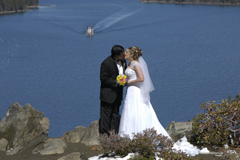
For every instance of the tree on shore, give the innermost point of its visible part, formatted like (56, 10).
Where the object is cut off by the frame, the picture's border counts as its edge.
(216, 2)
(32, 2)
(15, 5)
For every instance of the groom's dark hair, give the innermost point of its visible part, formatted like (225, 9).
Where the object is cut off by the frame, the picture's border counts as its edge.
(117, 50)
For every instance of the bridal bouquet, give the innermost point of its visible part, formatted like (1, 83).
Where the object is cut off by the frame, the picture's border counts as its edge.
(121, 79)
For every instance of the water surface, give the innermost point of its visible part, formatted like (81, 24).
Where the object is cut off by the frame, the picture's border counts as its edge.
(46, 60)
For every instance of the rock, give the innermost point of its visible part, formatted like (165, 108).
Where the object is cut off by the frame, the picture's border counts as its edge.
(91, 136)
(83, 157)
(22, 125)
(53, 146)
(72, 156)
(99, 148)
(13, 151)
(76, 135)
(44, 123)
(3, 144)
(178, 129)
(36, 150)
(96, 148)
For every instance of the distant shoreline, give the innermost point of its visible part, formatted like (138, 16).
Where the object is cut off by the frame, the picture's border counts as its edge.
(25, 10)
(189, 2)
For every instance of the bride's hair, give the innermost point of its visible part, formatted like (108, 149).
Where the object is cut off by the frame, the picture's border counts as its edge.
(136, 52)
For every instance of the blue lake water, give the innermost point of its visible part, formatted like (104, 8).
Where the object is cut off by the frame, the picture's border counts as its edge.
(46, 60)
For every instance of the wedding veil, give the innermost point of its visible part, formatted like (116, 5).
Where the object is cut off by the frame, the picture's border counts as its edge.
(147, 86)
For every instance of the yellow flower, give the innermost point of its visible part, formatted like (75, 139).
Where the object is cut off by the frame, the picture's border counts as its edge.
(121, 79)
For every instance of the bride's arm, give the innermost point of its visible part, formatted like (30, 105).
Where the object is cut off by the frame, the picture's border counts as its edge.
(140, 78)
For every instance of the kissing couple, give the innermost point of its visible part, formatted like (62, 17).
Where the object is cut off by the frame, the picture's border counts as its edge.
(138, 113)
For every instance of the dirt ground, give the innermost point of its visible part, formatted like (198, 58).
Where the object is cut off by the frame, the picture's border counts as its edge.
(71, 147)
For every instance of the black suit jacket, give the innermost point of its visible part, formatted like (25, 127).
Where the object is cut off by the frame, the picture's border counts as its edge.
(110, 91)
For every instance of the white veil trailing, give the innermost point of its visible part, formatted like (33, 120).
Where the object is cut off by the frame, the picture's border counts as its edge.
(147, 86)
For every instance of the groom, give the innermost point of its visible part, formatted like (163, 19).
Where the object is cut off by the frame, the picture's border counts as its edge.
(111, 91)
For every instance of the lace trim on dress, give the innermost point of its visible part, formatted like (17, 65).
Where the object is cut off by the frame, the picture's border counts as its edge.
(135, 64)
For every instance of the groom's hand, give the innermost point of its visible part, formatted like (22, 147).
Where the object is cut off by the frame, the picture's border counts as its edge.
(117, 84)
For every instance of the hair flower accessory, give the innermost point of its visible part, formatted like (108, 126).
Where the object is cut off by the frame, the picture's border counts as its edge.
(122, 79)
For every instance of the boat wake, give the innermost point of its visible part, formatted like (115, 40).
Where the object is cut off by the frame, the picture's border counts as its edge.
(109, 21)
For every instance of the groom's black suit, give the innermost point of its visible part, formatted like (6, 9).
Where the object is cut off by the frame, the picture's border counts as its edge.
(110, 95)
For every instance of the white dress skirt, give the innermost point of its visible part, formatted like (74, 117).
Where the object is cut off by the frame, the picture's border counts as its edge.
(137, 115)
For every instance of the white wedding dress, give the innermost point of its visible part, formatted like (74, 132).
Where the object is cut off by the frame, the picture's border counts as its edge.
(137, 114)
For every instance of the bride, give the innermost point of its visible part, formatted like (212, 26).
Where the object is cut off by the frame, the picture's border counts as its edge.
(138, 113)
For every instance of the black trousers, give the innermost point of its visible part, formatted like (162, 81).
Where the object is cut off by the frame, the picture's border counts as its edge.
(109, 117)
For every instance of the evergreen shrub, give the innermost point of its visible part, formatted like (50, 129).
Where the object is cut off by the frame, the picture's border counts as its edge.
(146, 145)
(219, 124)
